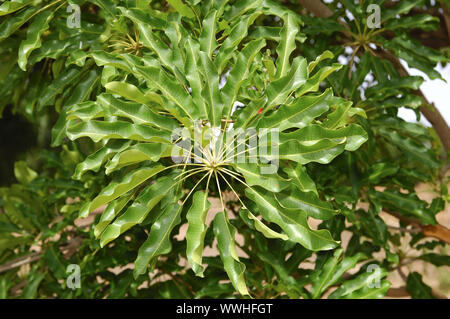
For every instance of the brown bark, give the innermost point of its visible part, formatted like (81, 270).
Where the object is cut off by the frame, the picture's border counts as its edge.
(437, 231)
(446, 18)
(19, 262)
(317, 8)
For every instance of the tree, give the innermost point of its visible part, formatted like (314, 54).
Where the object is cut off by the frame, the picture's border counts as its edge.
(231, 125)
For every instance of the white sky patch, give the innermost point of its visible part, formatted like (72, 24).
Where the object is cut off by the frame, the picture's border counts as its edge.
(436, 91)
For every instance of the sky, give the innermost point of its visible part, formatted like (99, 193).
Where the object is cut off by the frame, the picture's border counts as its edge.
(436, 91)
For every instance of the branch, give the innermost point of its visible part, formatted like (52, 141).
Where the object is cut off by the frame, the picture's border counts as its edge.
(436, 231)
(317, 8)
(446, 18)
(20, 261)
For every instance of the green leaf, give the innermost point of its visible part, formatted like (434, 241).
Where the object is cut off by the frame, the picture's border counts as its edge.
(100, 130)
(138, 211)
(132, 93)
(112, 210)
(402, 7)
(353, 136)
(286, 45)
(12, 6)
(254, 176)
(211, 91)
(207, 40)
(367, 285)
(301, 179)
(171, 90)
(258, 225)
(239, 31)
(406, 204)
(158, 242)
(417, 288)
(33, 282)
(136, 154)
(137, 112)
(308, 202)
(322, 152)
(195, 235)
(239, 73)
(225, 233)
(435, 259)
(116, 189)
(423, 21)
(23, 173)
(183, 9)
(292, 222)
(38, 26)
(193, 75)
(94, 161)
(332, 271)
(298, 114)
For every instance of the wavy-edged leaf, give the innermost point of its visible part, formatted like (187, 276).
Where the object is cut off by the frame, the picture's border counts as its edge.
(138, 211)
(100, 130)
(193, 75)
(254, 176)
(170, 89)
(12, 6)
(298, 114)
(239, 73)
(207, 40)
(112, 210)
(116, 189)
(293, 223)
(94, 161)
(235, 269)
(301, 179)
(368, 285)
(258, 225)
(211, 91)
(195, 235)
(353, 136)
(136, 154)
(158, 242)
(308, 202)
(331, 272)
(38, 26)
(132, 93)
(286, 45)
(417, 288)
(13, 23)
(137, 112)
(322, 152)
